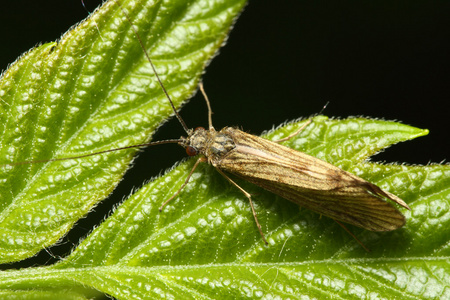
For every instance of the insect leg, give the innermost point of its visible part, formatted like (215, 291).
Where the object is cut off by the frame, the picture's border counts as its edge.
(295, 133)
(251, 203)
(351, 233)
(201, 159)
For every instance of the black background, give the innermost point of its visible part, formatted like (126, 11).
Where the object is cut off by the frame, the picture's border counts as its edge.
(285, 60)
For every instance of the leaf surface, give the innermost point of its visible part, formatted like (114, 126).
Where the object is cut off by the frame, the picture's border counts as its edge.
(92, 91)
(205, 243)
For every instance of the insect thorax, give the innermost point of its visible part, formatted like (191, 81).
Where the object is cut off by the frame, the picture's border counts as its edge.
(212, 144)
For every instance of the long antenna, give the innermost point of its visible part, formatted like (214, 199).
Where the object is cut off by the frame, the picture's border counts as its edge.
(153, 68)
(171, 141)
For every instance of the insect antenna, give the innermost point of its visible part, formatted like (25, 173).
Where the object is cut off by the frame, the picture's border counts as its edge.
(138, 37)
(170, 141)
(208, 105)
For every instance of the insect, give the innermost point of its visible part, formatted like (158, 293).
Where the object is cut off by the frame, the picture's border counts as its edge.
(303, 179)
(293, 175)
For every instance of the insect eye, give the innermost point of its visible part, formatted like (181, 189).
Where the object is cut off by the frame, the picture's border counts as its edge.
(191, 151)
(199, 128)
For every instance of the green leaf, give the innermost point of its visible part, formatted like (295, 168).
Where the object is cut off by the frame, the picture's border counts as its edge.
(92, 91)
(205, 243)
